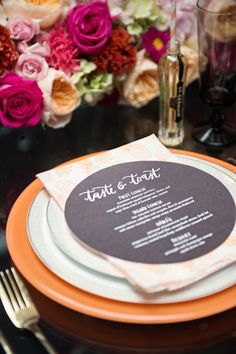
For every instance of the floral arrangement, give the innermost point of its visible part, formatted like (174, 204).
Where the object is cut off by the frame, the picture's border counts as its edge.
(56, 54)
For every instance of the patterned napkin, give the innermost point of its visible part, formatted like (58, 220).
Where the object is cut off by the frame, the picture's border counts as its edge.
(148, 278)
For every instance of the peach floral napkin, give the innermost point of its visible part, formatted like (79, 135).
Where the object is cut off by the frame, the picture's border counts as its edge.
(148, 278)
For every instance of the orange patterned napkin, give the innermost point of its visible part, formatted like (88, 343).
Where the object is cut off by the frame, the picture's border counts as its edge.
(148, 278)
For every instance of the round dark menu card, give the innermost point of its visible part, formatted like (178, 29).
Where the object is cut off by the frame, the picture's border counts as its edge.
(151, 212)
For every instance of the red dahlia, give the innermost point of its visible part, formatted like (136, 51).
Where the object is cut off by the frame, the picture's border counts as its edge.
(118, 55)
(8, 53)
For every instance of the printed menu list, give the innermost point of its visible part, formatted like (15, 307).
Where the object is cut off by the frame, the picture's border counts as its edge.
(151, 212)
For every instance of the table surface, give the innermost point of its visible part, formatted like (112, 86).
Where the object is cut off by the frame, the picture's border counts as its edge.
(27, 151)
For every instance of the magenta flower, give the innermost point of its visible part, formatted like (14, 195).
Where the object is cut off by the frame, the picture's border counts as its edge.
(63, 52)
(90, 25)
(155, 42)
(21, 101)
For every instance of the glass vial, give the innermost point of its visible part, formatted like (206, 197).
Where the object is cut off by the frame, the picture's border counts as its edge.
(172, 75)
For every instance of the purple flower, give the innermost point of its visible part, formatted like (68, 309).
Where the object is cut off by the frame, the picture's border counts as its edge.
(90, 25)
(21, 101)
(155, 42)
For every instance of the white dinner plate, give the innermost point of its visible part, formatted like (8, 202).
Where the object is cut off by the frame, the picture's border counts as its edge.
(108, 285)
(69, 244)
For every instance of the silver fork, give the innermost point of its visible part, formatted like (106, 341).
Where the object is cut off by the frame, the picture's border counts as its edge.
(20, 307)
(4, 343)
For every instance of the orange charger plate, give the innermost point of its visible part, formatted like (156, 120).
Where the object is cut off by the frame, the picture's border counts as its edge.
(58, 290)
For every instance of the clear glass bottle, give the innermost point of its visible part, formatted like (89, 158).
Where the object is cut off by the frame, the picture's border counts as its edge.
(172, 76)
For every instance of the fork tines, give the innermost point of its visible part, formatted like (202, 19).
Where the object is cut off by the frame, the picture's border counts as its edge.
(13, 288)
(19, 306)
(14, 295)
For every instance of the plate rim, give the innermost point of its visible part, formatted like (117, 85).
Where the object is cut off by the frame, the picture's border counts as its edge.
(110, 286)
(78, 300)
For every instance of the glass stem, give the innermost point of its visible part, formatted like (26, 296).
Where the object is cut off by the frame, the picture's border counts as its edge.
(216, 119)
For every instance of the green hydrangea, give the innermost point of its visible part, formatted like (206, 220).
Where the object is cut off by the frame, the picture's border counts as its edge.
(92, 85)
(143, 8)
(143, 14)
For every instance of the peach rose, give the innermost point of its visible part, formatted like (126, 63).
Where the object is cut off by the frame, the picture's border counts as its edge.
(223, 27)
(61, 98)
(191, 57)
(45, 12)
(3, 18)
(141, 84)
(49, 3)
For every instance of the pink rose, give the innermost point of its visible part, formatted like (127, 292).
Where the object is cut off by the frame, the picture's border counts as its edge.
(21, 46)
(41, 49)
(21, 101)
(90, 26)
(31, 66)
(22, 29)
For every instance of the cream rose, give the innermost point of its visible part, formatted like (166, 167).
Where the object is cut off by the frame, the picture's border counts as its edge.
(191, 57)
(61, 98)
(49, 3)
(141, 84)
(45, 12)
(67, 5)
(223, 27)
(3, 18)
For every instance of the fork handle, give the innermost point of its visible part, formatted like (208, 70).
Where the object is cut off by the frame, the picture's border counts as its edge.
(5, 345)
(33, 327)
